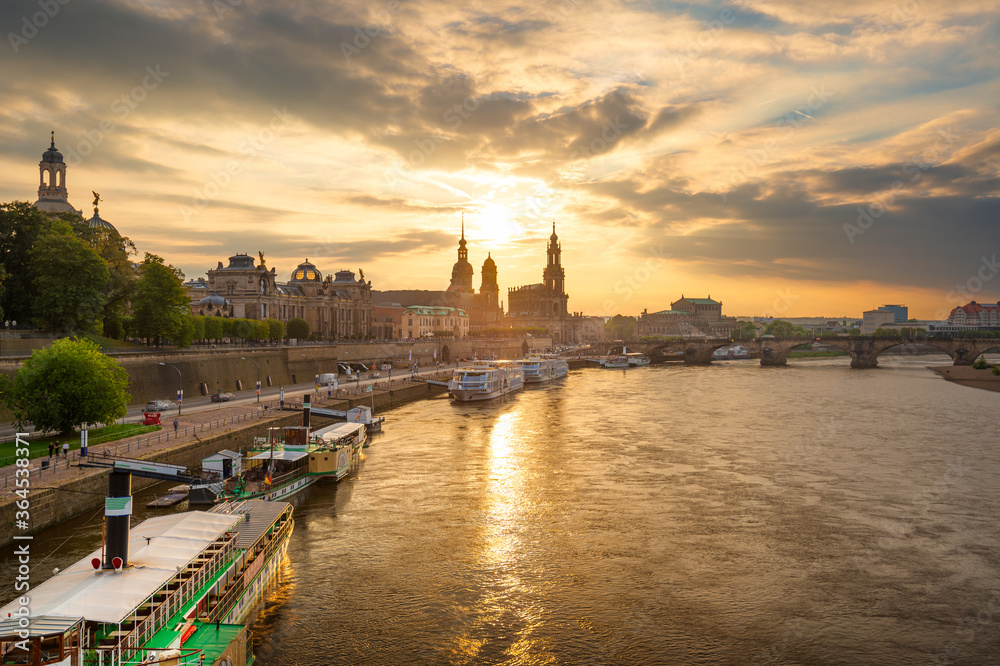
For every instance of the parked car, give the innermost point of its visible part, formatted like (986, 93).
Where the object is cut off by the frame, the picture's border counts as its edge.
(373, 375)
(222, 397)
(158, 405)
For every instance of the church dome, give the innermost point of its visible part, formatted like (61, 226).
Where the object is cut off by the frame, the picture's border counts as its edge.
(52, 155)
(489, 263)
(306, 272)
(213, 300)
(100, 223)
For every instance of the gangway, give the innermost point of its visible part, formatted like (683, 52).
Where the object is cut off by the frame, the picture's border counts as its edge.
(144, 468)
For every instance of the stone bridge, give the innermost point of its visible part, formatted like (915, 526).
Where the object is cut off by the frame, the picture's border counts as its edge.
(864, 351)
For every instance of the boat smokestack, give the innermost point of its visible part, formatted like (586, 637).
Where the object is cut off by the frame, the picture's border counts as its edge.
(118, 513)
(306, 408)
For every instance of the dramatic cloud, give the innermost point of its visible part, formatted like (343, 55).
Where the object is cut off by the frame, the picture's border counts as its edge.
(846, 150)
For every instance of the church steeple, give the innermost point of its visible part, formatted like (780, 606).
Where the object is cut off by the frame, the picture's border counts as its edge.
(52, 196)
(554, 276)
(461, 272)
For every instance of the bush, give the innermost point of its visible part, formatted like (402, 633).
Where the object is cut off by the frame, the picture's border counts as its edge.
(981, 363)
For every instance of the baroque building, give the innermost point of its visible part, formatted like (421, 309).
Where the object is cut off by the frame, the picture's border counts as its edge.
(335, 307)
(546, 305)
(687, 317)
(480, 311)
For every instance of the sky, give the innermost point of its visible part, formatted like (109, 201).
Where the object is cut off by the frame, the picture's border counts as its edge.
(785, 158)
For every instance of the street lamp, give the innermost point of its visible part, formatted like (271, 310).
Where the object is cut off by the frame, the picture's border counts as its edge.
(180, 390)
(317, 368)
(244, 358)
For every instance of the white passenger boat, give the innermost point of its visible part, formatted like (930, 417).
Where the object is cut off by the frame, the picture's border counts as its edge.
(615, 361)
(543, 368)
(637, 358)
(485, 380)
(174, 590)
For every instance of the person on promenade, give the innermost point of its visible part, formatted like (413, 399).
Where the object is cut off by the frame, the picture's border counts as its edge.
(175, 427)
(52, 444)
(66, 450)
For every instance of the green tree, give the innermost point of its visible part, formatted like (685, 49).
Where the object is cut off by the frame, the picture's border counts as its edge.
(70, 281)
(276, 330)
(213, 328)
(243, 328)
(68, 384)
(747, 330)
(297, 328)
(199, 327)
(160, 304)
(260, 330)
(20, 225)
(117, 252)
(780, 328)
(620, 327)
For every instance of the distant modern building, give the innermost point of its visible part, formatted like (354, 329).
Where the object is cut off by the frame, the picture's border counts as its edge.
(973, 314)
(901, 312)
(873, 319)
(687, 317)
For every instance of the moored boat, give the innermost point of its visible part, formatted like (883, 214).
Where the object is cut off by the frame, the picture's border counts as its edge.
(615, 361)
(280, 466)
(174, 590)
(543, 368)
(637, 359)
(485, 380)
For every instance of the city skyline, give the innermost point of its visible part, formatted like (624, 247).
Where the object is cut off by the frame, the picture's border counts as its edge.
(784, 160)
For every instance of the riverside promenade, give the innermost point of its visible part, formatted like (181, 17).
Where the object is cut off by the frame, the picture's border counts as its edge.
(60, 489)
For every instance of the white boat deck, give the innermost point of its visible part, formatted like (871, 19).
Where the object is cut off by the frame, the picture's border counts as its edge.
(174, 541)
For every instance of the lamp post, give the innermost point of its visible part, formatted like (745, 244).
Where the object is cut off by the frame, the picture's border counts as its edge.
(180, 389)
(244, 358)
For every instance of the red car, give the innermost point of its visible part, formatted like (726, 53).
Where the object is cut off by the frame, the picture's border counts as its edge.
(151, 418)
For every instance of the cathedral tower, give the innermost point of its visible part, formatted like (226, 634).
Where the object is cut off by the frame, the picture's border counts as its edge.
(489, 289)
(554, 277)
(461, 272)
(52, 182)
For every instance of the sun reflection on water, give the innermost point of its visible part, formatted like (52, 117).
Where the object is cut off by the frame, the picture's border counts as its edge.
(509, 598)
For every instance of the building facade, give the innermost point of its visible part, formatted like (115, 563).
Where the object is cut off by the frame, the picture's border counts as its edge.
(871, 320)
(336, 307)
(687, 317)
(546, 305)
(900, 312)
(985, 315)
(483, 310)
(420, 321)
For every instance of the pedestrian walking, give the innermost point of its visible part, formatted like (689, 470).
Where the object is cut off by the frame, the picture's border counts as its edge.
(66, 450)
(51, 444)
(175, 426)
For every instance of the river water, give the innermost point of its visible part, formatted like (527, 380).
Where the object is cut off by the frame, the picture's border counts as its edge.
(734, 514)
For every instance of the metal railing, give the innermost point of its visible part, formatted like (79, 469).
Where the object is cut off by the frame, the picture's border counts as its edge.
(48, 465)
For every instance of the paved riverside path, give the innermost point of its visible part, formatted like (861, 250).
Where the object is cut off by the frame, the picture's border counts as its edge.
(213, 421)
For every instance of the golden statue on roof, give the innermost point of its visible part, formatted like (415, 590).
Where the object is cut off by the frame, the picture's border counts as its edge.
(261, 255)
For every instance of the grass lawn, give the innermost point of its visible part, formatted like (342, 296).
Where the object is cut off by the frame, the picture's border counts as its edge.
(40, 447)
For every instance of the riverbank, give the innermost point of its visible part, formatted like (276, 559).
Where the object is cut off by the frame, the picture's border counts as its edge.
(62, 491)
(966, 375)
